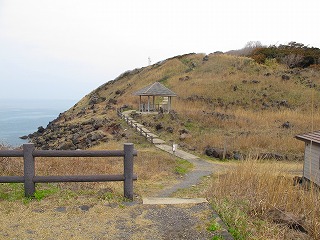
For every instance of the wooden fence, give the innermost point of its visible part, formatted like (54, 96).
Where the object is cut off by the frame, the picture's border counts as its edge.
(29, 153)
(130, 121)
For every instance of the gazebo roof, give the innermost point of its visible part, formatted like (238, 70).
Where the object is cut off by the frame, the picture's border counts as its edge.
(155, 89)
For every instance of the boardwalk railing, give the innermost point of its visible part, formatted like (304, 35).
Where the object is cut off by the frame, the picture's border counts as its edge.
(134, 124)
(29, 153)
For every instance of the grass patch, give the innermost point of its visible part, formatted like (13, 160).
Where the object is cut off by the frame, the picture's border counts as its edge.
(11, 191)
(218, 237)
(164, 80)
(214, 226)
(236, 234)
(234, 218)
(15, 191)
(190, 125)
(47, 191)
(182, 166)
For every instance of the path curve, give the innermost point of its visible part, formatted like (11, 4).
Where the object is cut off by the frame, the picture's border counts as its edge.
(201, 167)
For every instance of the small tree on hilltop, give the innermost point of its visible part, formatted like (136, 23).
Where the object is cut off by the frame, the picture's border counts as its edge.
(250, 47)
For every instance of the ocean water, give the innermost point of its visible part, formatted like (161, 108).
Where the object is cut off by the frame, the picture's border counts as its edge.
(22, 117)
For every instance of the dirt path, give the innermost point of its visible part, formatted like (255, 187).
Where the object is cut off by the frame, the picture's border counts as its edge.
(200, 169)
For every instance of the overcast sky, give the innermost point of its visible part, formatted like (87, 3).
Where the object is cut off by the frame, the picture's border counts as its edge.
(63, 49)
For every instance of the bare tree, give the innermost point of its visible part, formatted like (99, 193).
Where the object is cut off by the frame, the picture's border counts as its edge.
(248, 48)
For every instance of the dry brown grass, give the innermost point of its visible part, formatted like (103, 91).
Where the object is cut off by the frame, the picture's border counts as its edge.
(247, 131)
(250, 131)
(248, 193)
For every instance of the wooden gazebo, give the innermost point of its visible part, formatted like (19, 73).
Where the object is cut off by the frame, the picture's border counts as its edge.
(155, 90)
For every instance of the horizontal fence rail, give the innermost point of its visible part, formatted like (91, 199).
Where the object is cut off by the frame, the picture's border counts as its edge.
(134, 124)
(29, 179)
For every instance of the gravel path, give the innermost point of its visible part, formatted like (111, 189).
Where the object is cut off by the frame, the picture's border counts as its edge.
(101, 220)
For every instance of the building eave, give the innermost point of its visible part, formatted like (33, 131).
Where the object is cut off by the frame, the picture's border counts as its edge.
(309, 137)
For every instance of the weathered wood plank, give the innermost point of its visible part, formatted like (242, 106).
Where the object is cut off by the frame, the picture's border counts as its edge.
(11, 153)
(11, 179)
(81, 178)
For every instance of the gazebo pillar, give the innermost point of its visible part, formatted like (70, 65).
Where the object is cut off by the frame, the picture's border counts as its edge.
(153, 100)
(148, 103)
(140, 104)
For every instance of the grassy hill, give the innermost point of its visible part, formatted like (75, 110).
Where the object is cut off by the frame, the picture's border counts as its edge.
(223, 101)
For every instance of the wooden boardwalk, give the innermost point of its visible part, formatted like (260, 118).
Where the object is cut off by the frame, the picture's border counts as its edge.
(151, 137)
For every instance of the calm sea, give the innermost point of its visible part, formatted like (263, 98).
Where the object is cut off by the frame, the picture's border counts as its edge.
(22, 117)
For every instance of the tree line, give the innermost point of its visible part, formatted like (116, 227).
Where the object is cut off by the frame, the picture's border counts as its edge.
(292, 54)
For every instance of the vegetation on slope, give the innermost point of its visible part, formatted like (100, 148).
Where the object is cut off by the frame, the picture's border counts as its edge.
(223, 102)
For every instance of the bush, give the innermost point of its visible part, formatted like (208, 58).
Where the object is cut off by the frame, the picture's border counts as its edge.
(293, 55)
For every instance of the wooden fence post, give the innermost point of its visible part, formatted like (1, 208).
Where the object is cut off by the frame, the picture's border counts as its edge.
(29, 169)
(128, 170)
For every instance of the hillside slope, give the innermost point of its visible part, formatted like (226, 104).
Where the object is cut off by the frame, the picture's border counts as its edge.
(223, 102)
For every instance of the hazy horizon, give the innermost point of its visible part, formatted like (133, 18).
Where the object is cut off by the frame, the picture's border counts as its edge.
(66, 49)
(22, 117)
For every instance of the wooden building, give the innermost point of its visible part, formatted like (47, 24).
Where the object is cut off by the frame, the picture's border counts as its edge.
(311, 165)
(151, 92)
